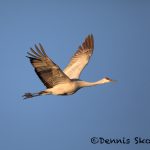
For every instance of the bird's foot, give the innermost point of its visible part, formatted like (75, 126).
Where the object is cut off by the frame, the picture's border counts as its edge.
(27, 95)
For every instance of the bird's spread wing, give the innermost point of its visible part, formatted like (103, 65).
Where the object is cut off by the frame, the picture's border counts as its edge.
(49, 73)
(80, 58)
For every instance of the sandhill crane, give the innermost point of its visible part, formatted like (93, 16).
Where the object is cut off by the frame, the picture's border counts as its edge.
(64, 82)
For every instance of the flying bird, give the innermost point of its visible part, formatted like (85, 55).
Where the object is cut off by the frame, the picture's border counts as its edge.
(62, 82)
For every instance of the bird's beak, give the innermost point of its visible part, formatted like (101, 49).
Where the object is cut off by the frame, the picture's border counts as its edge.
(110, 80)
(113, 81)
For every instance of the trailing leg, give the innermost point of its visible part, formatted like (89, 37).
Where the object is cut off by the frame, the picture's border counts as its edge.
(30, 95)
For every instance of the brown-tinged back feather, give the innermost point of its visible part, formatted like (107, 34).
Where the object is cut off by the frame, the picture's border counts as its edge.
(49, 73)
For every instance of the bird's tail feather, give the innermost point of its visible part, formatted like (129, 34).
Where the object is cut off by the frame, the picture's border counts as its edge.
(30, 95)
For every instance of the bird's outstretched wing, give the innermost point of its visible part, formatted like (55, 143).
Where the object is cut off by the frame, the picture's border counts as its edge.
(80, 58)
(49, 73)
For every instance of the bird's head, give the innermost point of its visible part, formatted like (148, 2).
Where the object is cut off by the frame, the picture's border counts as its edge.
(107, 79)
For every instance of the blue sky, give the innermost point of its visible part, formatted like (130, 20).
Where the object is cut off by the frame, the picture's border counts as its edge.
(122, 49)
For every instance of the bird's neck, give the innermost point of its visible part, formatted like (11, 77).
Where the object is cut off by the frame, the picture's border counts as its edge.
(87, 84)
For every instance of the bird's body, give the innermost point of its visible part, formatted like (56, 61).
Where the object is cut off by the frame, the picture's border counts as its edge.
(64, 88)
(60, 82)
